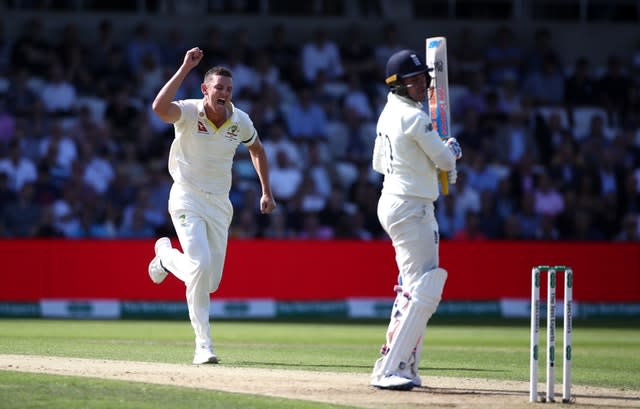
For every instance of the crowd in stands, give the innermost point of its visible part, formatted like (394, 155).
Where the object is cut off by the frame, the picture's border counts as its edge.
(551, 147)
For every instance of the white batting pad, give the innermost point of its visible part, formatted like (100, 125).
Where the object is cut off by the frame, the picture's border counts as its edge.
(409, 323)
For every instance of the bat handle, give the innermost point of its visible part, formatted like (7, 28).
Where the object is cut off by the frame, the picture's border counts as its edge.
(444, 182)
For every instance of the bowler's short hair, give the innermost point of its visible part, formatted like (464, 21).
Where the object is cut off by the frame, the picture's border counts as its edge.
(217, 70)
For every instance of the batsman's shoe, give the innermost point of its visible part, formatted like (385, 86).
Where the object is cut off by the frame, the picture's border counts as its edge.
(204, 355)
(393, 382)
(157, 272)
(417, 381)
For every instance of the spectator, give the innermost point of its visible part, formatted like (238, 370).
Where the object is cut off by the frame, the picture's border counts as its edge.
(630, 230)
(467, 198)
(141, 43)
(283, 53)
(244, 224)
(546, 87)
(542, 48)
(389, 45)
(306, 120)
(509, 98)
(6, 45)
(73, 56)
(7, 194)
(471, 230)
(321, 54)
(357, 100)
(449, 220)
(58, 94)
(503, 57)
(18, 168)
(481, 175)
(584, 228)
(277, 228)
(138, 227)
(23, 99)
(311, 199)
(473, 97)
(312, 229)
(150, 76)
(21, 217)
(322, 175)
(336, 208)
(278, 140)
(466, 56)
(67, 210)
(581, 88)
(98, 171)
(529, 216)
(615, 88)
(60, 147)
(285, 178)
(99, 52)
(31, 49)
(141, 215)
(547, 229)
(515, 139)
(7, 123)
(121, 115)
(45, 228)
(490, 222)
(358, 58)
(114, 74)
(547, 199)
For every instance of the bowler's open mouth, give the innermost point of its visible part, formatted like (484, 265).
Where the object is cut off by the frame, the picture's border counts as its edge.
(220, 101)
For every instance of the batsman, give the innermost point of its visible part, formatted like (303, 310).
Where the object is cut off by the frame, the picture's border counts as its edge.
(409, 152)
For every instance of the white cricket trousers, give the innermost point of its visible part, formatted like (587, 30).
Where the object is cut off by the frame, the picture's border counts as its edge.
(201, 221)
(410, 223)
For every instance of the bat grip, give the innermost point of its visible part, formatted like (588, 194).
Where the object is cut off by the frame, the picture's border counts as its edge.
(444, 182)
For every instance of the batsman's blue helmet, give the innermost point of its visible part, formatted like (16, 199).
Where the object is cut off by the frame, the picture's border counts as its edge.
(404, 64)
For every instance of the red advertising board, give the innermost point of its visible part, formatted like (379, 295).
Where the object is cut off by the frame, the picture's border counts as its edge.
(312, 270)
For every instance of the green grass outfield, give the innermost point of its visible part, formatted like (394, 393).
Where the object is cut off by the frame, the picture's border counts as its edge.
(605, 354)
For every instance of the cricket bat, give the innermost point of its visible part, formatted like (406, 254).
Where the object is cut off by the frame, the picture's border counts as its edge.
(436, 59)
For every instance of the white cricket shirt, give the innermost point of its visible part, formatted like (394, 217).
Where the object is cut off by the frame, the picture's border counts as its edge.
(407, 150)
(201, 155)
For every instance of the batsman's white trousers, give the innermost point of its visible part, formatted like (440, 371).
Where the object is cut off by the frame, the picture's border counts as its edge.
(410, 223)
(201, 221)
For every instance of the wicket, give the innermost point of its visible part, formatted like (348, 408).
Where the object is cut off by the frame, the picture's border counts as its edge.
(551, 331)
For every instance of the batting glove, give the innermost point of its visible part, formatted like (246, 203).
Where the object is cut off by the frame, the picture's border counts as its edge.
(453, 144)
(452, 176)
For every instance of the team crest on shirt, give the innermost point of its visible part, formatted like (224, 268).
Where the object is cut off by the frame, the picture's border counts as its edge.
(232, 132)
(202, 128)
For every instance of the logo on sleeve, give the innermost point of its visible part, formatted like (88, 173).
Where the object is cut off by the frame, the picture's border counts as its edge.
(429, 127)
(202, 128)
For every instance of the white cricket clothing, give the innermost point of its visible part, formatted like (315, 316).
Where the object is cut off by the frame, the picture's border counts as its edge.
(407, 150)
(200, 162)
(201, 155)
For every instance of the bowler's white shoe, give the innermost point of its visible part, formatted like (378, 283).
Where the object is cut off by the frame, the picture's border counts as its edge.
(204, 355)
(393, 382)
(157, 272)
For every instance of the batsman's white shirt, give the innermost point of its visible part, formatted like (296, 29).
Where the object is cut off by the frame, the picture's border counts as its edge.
(200, 163)
(407, 150)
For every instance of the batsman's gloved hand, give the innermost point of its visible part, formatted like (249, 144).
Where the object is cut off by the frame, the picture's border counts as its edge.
(452, 176)
(453, 144)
